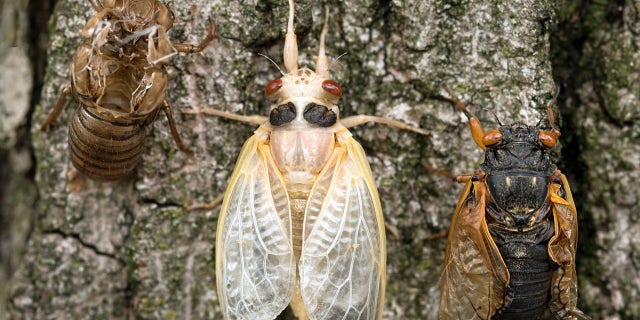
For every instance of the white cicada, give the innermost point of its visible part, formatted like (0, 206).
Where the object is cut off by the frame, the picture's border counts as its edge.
(301, 223)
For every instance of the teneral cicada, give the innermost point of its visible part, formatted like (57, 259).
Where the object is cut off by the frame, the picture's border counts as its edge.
(512, 242)
(301, 223)
(118, 80)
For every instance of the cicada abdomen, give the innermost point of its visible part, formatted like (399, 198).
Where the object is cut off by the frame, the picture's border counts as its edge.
(119, 81)
(104, 147)
(512, 241)
(301, 222)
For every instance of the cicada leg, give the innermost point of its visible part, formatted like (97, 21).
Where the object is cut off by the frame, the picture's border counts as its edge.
(254, 119)
(206, 206)
(442, 172)
(96, 4)
(174, 132)
(357, 120)
(190, 48)
(58, 108)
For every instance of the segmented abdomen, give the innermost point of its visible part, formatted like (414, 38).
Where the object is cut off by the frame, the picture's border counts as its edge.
(103, 147)
(298, 207)
(530, 270)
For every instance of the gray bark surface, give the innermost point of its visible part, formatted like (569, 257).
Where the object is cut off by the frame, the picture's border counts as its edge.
(17, 188)
(601, 107)
(130, 249)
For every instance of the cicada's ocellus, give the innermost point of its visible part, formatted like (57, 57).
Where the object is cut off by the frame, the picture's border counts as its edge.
(511, 252)
(301, 223)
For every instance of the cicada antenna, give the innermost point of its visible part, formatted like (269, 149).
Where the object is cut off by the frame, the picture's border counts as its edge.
(453, 98)
(550, 112)
(495, 115)
(340, 56)
(550, 108)
(274, 63)
(477, 131)
(322, 64)
(336, 61)
(291, 44)
(550, 138)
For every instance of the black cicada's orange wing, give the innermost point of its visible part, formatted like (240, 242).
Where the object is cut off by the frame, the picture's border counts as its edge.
(562, 250)
(474, 279)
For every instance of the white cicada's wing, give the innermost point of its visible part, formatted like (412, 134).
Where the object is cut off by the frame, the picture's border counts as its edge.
(254, 257)
(343, 261)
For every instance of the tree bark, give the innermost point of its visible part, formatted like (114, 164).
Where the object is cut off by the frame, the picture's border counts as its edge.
(17, 188)
(130, 248)
(597, 48)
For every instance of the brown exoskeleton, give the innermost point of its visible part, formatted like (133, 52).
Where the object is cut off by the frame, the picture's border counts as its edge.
(118, 80)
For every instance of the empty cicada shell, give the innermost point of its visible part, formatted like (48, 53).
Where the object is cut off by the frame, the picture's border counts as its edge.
(118, 80)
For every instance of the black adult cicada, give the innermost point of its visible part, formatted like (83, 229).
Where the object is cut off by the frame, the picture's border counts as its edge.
(513, 237)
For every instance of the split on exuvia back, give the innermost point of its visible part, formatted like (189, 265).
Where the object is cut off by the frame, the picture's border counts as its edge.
(118, 81)
(301, 223)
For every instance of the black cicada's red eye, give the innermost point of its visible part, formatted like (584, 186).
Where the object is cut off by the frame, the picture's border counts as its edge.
(332, 87)
(491, 137)
(548, 139)
(273, 86)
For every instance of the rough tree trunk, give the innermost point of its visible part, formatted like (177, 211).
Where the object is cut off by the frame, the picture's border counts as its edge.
(598, 53)
(130, 249)
(17, 188)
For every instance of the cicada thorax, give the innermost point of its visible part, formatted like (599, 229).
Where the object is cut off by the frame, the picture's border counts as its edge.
(118, 80)
(117, 100)
(301, 222)
(517, 171)
(513, 237)
(303, 122)
(300, 153)
(300, 149)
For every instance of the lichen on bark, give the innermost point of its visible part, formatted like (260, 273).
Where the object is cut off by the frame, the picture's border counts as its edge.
(596, 48)
(131, 249)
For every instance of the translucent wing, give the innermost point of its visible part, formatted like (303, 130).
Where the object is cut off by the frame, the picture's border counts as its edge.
(562, 250)
(254, 258)
(343, 261)
(475, 279)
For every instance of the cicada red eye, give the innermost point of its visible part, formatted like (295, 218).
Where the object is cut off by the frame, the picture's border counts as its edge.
(273, 86)
(547, 138)
(332, 87)
(491, 137)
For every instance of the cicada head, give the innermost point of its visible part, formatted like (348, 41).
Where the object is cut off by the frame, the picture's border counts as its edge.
(302, 93)
(518, 164)
(519, 147)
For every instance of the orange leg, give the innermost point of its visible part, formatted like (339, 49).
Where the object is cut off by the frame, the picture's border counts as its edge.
(443, 172)
(439, 235)
(477, 132)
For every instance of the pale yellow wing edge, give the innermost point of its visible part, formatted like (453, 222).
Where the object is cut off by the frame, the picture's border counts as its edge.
(357, 153)
(254, 201)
